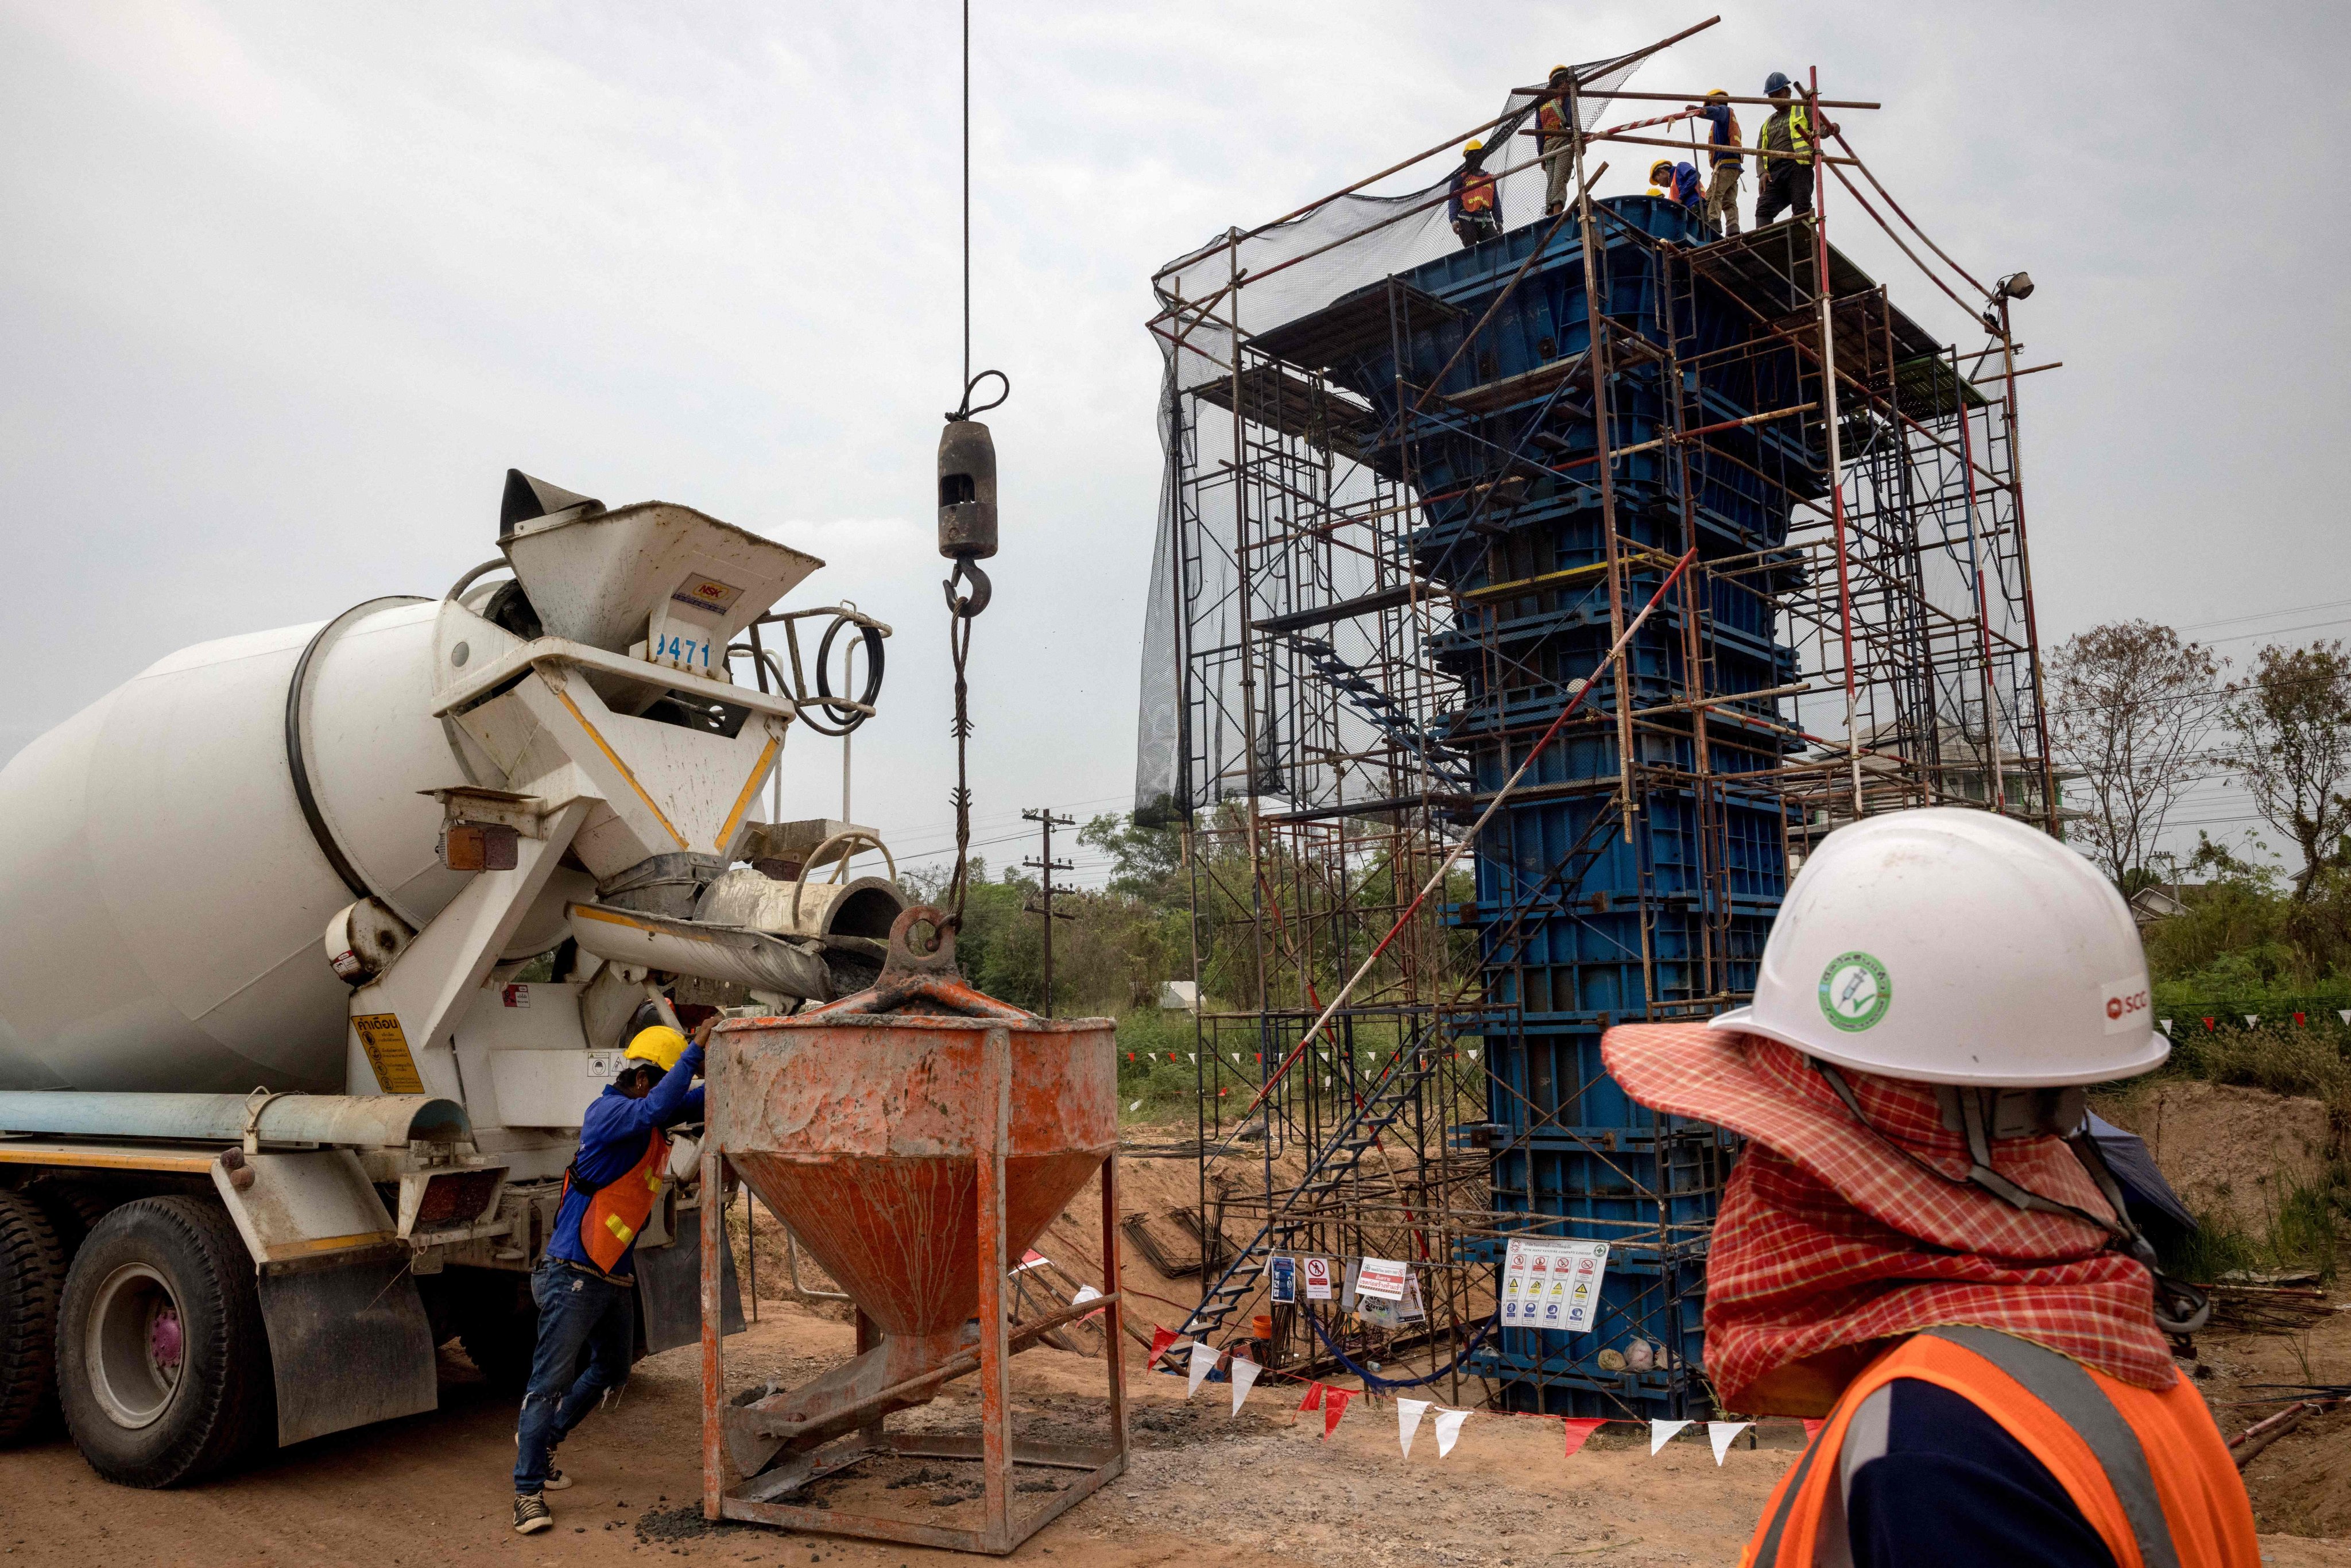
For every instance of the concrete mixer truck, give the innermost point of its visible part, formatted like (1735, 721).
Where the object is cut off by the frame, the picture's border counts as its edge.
(318, 941)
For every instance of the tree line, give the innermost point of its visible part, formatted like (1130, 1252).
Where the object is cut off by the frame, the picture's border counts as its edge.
(2137, 716)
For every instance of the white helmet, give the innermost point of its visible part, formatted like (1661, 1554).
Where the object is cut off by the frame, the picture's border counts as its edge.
(1950, 946)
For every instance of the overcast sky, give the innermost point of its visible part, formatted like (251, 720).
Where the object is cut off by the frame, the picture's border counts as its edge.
(287, 288)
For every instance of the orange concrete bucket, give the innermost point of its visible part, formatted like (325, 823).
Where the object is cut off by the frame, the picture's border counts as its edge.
(860, 1125)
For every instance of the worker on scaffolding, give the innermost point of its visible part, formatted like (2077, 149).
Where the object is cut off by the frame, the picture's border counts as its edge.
(1786, 143)
(1725, 153)
(1677, 183)
(1920, 1241)
(1476, 204)
(1552, 141)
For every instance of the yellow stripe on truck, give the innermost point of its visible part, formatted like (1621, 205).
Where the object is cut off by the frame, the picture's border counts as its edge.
(743, 801)
(614, 757)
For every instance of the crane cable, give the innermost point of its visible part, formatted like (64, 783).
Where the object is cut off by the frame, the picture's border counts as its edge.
(962, 608)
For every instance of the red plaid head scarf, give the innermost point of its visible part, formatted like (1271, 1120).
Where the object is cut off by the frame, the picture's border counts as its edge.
(1829, 1238)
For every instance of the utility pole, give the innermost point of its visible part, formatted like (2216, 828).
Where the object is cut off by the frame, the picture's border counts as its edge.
(1046, 866)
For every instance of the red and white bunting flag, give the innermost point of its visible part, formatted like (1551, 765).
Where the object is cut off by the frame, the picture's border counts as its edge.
(1160, 1340)
(1335, 1405)
(1721, 1433)
(1663, 1432)
(1313, 1400)
(1579, 1429)
(1408, 1415)
(1813, 1428)
(1448, 1429)
(1032, 1259)
(1204, 1362)
(1086, 1293)
(1243, 1372)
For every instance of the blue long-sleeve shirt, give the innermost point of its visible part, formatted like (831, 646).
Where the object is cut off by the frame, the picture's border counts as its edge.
(1463, 178)
(614, 1132)
(1723, 138)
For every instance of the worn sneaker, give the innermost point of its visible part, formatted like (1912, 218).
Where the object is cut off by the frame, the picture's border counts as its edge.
(556, 1480)
(531, 1514)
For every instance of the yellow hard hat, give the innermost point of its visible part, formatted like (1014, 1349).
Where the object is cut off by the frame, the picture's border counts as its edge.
(1721, 92)
(660, 1045)
(1475, 146)
(1557, 72)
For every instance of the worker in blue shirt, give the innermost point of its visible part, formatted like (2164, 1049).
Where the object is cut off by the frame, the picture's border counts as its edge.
(1474, 203)
(1724, 149)
(585, 1285)
(1677, 181)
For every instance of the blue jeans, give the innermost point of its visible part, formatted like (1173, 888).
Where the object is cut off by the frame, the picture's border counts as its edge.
(578, 1313)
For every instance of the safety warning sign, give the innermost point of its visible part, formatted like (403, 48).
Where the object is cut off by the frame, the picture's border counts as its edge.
(1552, 1284)
(1384, 1278)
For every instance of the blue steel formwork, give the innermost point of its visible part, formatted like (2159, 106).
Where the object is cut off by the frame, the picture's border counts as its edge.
(1589, 912)
(1446, 417)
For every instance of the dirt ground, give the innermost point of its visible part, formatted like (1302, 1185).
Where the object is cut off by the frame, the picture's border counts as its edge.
(1204, 1487)
(2226, 1148)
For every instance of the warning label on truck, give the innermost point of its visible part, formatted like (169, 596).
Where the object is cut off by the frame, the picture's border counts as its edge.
(387, 1054)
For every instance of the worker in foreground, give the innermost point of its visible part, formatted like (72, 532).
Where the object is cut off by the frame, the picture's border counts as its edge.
(1552, 142)
(1475, 205)
(1786, 142)
(1724, 152)
(1920, 1242)
(585, 1287)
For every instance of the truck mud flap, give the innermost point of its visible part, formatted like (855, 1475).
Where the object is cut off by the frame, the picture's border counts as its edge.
(669, 1291)
(349, 1344)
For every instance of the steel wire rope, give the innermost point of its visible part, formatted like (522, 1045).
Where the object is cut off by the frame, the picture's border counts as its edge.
(963, 609)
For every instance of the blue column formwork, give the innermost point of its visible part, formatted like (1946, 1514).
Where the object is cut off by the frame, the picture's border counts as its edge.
(1590, 909)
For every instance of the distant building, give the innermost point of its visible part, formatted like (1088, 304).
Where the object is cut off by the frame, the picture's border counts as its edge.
(2152, 904)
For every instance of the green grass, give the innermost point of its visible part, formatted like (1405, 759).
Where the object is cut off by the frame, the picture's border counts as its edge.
(2310, 1061)
(2305, 1227)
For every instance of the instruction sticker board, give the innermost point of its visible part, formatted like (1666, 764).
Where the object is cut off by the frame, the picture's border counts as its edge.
(1384, 1278)
(1318, 1278)
(1282, 1279)
(1555, 1285)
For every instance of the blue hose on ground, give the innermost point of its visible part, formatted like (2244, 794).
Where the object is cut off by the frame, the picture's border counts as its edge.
(1373, 1380)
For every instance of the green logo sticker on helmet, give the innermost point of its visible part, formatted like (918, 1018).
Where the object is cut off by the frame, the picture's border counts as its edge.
(1854, 991)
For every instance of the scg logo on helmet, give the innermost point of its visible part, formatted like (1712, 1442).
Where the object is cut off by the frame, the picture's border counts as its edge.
(2119, 1008)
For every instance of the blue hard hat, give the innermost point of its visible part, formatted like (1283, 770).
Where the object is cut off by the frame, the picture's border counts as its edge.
(1776, 82)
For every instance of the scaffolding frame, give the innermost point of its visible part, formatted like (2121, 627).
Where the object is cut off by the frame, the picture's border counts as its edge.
(1322, 778)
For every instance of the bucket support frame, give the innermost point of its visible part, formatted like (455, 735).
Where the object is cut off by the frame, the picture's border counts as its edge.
(1002, 1531)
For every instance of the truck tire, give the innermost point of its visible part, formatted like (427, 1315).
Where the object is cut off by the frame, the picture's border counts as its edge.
(163, 1360)
(498, 1326)
(31, 1275)
(73, 1210)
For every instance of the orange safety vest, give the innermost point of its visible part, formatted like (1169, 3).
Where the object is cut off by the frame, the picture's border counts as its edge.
(1478, 193)
(618, 1209)
(1550, 117)
(2147, 1470)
